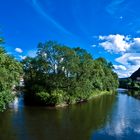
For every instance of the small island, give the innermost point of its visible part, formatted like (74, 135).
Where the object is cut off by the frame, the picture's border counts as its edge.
(61, 75)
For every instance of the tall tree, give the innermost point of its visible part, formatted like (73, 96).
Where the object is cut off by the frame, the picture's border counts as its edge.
(63, 73)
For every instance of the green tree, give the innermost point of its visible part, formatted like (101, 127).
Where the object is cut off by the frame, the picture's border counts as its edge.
(10, 72)
(72, 71)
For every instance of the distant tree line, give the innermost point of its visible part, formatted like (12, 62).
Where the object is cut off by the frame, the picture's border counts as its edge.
(60, 74)
(132, 82)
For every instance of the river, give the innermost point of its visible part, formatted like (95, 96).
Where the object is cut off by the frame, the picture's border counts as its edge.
(108, 117)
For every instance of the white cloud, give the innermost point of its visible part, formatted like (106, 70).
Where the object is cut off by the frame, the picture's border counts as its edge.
(135, 46)
(121, 71)
(120, 43)
(122, 74)
(93, 45)
(131, 61)
(137, 40)
(115, 43)
(19, 50)
(22, 57)
(129, 49)
(119, 67)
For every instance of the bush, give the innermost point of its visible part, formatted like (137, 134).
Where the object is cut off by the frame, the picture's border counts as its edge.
(70, 99)
(57, 97)
(43, 97)
(5, 98)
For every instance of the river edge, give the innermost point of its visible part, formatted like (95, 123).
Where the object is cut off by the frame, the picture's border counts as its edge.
(131, 92)
(95, 94)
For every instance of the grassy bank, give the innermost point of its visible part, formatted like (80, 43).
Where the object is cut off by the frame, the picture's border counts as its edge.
(94, 94)
(60, 99)
(99, 93)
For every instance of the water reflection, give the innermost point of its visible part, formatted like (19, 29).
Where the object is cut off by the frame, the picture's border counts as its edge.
(17, 104)
(104, 118)
(124, 121)
(134, 93)
(76, 122)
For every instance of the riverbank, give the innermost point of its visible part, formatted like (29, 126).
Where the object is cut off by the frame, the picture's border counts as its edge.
(130, 92)
(60, 98)
(95, 94)
(99, 93)
(134, 93)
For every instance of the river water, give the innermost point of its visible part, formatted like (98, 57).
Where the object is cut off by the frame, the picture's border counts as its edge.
(108, 117)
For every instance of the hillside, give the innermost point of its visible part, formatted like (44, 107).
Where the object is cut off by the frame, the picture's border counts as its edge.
(135, 75)
(133, 82)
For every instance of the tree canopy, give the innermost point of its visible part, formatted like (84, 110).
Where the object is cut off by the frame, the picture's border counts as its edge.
(62, 74)
(10, 72)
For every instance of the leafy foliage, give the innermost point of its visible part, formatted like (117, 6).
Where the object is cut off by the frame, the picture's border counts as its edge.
(5, 98)
(10, 71)
(61, 74)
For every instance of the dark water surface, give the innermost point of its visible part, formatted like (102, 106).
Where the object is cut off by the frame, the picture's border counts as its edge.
(109, 117)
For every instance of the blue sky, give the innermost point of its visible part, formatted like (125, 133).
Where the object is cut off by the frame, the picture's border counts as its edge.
(105, 28)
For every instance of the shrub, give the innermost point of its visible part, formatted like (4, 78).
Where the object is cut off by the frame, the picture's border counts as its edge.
(43, 97)
(5, 98)
(57, 97)
(70, 99)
